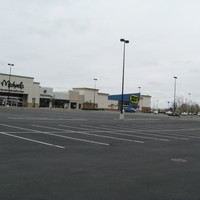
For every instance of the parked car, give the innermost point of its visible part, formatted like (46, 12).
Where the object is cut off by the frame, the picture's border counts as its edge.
(174, 114)
(155, 112)
(184, 113)
(131, 110)
(168, 112)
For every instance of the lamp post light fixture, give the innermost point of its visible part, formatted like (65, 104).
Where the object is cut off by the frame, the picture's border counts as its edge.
(157, 104)
(11, 65)
(122, 95)
(189, 104)
(168, 105)
(139, 89)
(95, 79)
(175, 93)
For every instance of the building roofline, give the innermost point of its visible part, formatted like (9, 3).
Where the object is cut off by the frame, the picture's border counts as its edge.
(17, 76)
(103, 93)
(36, 83)
(62, 92)
(145, 95)
(85, 89)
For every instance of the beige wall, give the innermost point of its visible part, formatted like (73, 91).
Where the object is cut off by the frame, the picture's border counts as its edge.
(61, 95)
(101, 99)
(145, 102)
(88, 94)
(104, 103)
(75, 97)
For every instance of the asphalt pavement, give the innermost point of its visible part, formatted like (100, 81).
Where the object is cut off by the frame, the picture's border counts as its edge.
(49, 154)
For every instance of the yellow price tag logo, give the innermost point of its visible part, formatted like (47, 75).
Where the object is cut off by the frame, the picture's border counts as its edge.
(134, 99)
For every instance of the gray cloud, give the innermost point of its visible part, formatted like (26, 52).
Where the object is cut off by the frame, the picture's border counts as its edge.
(65, 44)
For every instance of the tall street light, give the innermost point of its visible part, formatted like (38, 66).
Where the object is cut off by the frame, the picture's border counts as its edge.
(122, 96)
(188, 106)
(11, 65)
(168, 104)
(95, 79)
(139, 89)
(175, 93)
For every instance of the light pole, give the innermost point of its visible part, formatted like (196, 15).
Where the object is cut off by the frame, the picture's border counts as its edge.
(11, 65)
(189, 107)
(157, 105)
(175, 93)
(122, 96)
(139, 96)
(139, 89)
(95, 79)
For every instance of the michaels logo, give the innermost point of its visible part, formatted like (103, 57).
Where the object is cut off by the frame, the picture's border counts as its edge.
(12, 84)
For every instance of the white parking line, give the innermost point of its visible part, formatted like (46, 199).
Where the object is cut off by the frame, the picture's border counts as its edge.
(56, 135)
(177, 134)
(45, 118)
(90, 134)
(138, 119)
(166, 128)
(31, 140)
(92, 128)
(150, 132)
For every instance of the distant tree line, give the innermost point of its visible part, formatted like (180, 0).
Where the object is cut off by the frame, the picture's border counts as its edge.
(188, 106)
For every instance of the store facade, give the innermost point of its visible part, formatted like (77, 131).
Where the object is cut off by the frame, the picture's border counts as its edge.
(46, 97)
(129, 100)
(24, 92)
(137, 101)
(93, 99)
(18, 91)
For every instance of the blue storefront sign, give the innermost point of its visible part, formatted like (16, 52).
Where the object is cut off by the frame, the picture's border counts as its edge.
(132, 99)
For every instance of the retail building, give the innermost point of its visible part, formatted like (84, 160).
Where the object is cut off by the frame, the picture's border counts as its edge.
(46, 96)
(92, 98)
(134, 100)
(19, 91)
(24, 91)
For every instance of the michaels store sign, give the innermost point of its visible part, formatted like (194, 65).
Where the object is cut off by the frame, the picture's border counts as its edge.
(7, 85)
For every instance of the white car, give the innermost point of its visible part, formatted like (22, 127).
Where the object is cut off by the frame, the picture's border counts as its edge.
(184, 113)
(168, 112)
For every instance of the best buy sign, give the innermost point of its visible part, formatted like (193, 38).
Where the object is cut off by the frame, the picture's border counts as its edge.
(134, 99)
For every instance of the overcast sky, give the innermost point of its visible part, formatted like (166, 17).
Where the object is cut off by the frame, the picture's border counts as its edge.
(67, 43)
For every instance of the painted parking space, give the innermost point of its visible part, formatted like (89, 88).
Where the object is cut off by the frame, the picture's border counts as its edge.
(100, 134)
(51, 153)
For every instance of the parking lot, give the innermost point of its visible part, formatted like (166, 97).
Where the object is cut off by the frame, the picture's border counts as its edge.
(76, 155)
